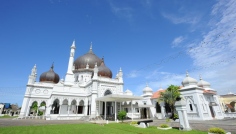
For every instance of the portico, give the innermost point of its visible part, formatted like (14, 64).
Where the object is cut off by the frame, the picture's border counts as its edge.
(113, 102)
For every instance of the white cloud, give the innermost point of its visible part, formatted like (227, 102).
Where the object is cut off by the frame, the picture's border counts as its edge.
(177, 41)
(188, 19)
(217, 48)
(122, 12)
(132, 74)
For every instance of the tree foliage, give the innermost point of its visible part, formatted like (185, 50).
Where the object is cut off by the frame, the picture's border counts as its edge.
(169, 97)
(122, 115)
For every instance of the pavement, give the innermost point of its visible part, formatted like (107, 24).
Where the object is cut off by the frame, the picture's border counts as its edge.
(227, 124)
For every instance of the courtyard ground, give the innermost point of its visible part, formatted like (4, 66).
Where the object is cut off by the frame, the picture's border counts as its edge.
(227, 124)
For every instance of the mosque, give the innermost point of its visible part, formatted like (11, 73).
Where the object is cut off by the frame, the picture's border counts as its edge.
(89, 90)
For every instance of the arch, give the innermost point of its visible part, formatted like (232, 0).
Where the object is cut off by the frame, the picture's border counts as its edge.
(107, 92)
(73, 107)
(190, 105)
(55, 106)
(81, 107)
(34, 108)
(43, 103)
(65, 102)
(81, 103)
(73, 102)
(158, 107)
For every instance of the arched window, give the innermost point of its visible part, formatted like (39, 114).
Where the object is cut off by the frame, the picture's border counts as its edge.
(107, 93)
(158, 108)
(191, 107)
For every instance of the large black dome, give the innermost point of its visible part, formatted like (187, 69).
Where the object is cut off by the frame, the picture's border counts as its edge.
(49, 76)
(89, 58)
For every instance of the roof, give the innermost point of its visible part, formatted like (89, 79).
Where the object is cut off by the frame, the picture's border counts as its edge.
(209, 92)
(229, 106)
(119, 98)
(157, 94)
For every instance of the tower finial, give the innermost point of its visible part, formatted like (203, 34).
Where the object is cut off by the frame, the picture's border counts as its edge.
(91, 45)
(200, 76)
(52, 65)
(186, 73)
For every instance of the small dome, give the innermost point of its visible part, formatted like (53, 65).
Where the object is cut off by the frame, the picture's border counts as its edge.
(147, 89)
(128, 92)
(203, 84)
(189, 81)
(49, 76)
(89, 58)
(104, 71)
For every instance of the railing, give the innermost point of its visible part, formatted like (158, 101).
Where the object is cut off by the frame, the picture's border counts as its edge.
(29, 117)
(230, 115)
(134, 115)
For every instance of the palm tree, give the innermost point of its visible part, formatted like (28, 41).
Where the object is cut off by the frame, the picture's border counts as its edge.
(169, 97)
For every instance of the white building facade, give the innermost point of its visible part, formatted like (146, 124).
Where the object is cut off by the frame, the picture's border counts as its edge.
(87, 78)
(90, 91)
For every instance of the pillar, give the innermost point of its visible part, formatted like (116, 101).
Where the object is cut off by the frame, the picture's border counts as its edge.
(182, 112)
(115, 111)
(105, 112)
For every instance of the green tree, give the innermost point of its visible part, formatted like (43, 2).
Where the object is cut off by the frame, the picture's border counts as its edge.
(169, 97)
(34, 106)
(121, 115)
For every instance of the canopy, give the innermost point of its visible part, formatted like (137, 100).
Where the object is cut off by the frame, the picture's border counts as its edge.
(118, 98)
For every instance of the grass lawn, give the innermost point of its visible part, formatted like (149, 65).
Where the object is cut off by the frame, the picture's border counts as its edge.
(113, 128)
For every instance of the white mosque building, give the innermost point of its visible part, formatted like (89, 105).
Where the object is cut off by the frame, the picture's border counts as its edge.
(89, 90)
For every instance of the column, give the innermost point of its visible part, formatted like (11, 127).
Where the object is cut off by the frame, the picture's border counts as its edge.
(115, 110)
(68, 109)
(59, 109)
(85, 109)
(76, 111)
(131, 110)
(37, 110)
(99, 108)
(105, 116)
(139, 110)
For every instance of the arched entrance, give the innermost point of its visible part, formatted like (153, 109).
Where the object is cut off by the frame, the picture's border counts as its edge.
(80, 107)
(55, 107)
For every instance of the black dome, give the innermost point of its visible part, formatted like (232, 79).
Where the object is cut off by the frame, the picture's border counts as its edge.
(49, 76)
(89, 58)
(104, 71)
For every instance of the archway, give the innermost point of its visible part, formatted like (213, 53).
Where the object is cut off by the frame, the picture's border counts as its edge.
(34, 108)
(55, 107)
(80, 107)
(158, 108)
(73, 107)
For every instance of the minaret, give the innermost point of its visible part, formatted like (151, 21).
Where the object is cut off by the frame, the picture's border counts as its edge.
(33, 75)
(120, 76)
(69, 79)
(95, 72)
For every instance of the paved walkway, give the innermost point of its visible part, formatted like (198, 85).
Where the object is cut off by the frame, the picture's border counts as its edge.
(227, 124)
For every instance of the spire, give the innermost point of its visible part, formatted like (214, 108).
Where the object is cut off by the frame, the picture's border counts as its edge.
(120, 70)
(34, 70)
(52, 66)
(96, 65)
(186, 73)
(73, 45)
(200, 77)
(91, 48)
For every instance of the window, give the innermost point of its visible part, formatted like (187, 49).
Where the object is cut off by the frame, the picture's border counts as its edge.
(191, 107)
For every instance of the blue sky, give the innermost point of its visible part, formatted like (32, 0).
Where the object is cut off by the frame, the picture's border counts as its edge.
(153, 41)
